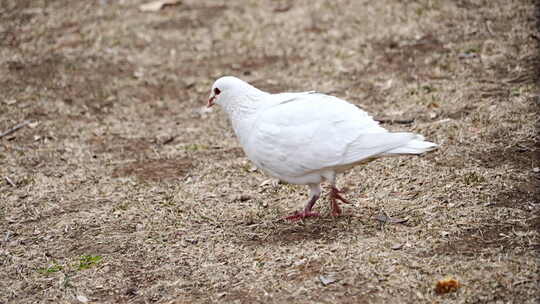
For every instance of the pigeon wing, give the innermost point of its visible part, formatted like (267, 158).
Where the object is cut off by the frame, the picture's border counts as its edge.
(313, 131)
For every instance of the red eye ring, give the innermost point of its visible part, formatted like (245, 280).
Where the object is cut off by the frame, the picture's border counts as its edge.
(217, 91)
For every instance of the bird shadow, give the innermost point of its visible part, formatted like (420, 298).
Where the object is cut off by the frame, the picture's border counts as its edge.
(285, 232)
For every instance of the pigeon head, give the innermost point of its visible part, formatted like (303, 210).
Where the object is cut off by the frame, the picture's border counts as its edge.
(225, 89)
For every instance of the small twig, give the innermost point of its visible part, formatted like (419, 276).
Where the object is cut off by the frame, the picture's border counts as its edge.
(521, 282)
(487, 22)
(408, 210)
(519, 78)
(10, 181)
(394, 121)
(168, 140)
(282, 9)
(17, 127)
(6, 236)
(384, 218)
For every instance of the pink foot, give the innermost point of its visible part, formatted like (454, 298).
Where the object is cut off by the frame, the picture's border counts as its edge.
(301, 215)
(334, 196)
(336, 210)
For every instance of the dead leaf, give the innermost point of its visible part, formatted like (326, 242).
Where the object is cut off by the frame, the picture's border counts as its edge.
(386, 219)
(155, 6)
(327, 280)
(271, 181)
(82, 299)
(282, 9)
(266, 182)
(221, 295)
(446, 286)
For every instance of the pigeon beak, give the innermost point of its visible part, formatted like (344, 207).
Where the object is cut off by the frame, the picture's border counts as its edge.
(211, 101)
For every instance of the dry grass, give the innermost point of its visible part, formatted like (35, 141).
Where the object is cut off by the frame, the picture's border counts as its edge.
(126, 192)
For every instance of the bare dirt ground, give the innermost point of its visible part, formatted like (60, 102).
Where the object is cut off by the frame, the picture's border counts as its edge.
(121, 190)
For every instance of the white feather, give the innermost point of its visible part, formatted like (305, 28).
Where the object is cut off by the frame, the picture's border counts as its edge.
(305, 138)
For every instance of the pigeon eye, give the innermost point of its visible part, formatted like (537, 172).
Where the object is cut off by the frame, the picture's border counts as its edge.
(217, 91)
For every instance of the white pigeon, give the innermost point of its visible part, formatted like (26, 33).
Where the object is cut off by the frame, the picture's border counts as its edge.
(307, 138)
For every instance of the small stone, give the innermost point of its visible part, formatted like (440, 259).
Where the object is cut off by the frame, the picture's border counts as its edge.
(327, 280)
(467, 55)
(397, 246)
(536, 170)
(138, 74)
(82, 299)
(242, 197)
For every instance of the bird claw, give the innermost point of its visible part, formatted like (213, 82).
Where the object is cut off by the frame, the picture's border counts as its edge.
(334, 196)
(336, 211)
(301, 215)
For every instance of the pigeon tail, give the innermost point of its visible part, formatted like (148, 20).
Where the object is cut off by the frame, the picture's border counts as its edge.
(415, 146)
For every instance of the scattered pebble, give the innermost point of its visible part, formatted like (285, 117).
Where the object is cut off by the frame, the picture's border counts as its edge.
(536, 170)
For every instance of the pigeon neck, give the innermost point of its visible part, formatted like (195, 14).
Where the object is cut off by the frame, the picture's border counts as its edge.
(243, 104)
(242, 110)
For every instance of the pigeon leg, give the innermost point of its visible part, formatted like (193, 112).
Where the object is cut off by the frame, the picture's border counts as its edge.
(334, 196)
(315, 192)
